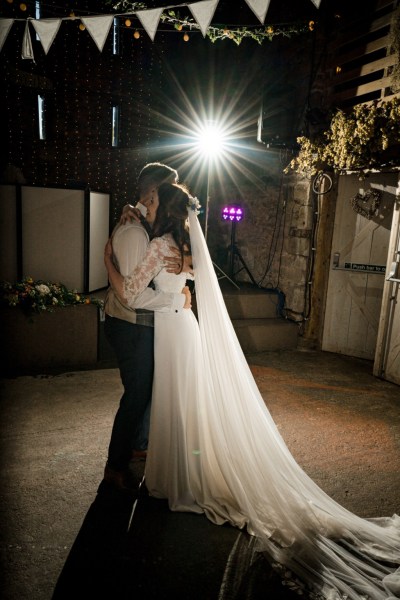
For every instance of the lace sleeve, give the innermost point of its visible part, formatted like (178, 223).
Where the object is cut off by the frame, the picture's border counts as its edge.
(140, 277)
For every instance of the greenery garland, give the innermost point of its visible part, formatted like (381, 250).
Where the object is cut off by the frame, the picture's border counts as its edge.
(220, 32)
(367, 137)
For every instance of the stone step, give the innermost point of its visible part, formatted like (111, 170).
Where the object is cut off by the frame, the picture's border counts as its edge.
(255, 315)
(263, 335)
(252, 305)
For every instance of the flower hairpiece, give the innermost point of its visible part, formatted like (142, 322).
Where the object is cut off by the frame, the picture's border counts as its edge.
(194, 204)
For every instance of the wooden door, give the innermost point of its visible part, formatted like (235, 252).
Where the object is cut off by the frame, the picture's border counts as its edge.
(387, 355)
(358, 263)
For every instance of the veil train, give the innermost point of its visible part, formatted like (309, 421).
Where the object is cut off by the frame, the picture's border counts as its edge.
(334, 553)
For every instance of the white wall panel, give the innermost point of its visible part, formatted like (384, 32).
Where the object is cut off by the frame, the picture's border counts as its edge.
(63, 235)
(99, 220)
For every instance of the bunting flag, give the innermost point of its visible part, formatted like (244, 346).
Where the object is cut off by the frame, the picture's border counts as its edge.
(203, 12)
(27, 50)
(150, 19)
(98, 27)
(5, 26)
(260, 7)
(47, 30)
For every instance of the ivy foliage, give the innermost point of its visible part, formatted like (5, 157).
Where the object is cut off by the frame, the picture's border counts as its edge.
(366, 137)
(219, 32)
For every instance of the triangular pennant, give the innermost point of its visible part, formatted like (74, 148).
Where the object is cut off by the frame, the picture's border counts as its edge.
(150, 19)
(316, 2)
(203, 12)
(5, 26)
(259, 8)
(98, 27)
(27, 50)
(47, 30)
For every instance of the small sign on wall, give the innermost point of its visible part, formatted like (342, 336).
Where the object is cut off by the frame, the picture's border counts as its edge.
(365, 268)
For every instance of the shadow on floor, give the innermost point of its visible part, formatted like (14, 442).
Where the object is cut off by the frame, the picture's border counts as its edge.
(162, 555)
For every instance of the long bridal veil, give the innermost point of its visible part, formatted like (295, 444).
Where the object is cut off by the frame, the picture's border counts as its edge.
(336, 553)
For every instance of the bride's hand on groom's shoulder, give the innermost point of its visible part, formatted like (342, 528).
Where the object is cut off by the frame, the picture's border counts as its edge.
(129, 214)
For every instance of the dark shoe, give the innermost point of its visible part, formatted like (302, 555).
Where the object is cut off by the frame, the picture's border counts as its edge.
(139, 455)
(122, 480)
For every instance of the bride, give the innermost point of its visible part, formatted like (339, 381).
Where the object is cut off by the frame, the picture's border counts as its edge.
(214, 447)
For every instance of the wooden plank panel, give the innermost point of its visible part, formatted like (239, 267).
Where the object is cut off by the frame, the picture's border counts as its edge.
(392, 366)
(372, 67)
(362, 50)
(363, 322)
(352, 235)
(354, 298)
(387, 357)
(367, 88)
(360, 31)
(337, 314)
(373, 302)
(384, 98)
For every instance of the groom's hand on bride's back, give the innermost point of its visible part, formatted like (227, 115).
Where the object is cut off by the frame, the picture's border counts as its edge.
(188, 297)
(173, 262)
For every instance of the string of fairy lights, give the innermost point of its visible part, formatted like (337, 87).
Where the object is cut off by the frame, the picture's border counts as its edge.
(174, 21)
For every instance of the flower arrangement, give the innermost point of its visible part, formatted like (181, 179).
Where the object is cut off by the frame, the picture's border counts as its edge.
(357, 140)
(39, 296)
(194, 205)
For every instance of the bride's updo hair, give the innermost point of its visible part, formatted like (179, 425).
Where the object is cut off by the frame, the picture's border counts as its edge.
(172, 214)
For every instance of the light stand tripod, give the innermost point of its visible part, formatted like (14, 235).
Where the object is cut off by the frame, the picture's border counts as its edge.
(234, 251)
(220, 273)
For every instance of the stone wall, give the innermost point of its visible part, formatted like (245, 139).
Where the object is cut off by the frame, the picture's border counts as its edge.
(275, 237)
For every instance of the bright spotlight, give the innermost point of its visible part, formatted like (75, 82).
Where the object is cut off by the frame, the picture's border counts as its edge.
(211, 140)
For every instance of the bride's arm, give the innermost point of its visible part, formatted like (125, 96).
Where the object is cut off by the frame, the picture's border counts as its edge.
(130, 287)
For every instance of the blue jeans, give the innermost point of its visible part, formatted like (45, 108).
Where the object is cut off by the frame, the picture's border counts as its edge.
(134, 348)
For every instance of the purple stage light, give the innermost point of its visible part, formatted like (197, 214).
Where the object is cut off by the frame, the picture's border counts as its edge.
(233, 213)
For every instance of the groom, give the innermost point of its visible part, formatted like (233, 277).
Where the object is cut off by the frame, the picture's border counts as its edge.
(130, 331)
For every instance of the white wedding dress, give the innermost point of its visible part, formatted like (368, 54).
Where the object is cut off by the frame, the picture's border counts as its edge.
(214, 448)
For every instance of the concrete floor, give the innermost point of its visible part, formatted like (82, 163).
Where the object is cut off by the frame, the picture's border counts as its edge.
(63, 536)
